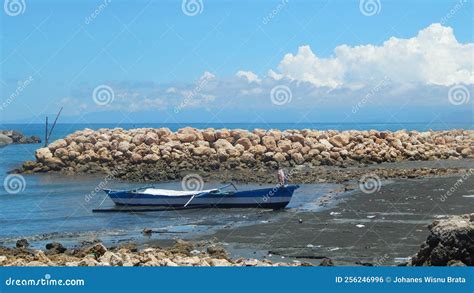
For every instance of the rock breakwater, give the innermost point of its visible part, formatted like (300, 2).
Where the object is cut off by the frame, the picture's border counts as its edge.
(12, 136)
(160, 153)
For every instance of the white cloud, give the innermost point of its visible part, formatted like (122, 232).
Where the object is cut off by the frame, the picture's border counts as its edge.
(272, 74)
(249, 76)
(433, 57)
(418, 71)
(207, 76)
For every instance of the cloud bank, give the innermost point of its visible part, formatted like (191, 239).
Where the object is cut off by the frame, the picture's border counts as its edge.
(418, 70)
(433, 57)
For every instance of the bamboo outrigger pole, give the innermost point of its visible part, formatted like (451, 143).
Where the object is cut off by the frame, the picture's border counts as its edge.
(48, 135)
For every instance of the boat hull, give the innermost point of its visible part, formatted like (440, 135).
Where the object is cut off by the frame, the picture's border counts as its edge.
(271, 198)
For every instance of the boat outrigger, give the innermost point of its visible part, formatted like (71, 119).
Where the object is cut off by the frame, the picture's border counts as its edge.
(277, 197)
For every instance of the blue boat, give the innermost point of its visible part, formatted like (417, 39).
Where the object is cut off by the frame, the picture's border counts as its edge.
(277, 197)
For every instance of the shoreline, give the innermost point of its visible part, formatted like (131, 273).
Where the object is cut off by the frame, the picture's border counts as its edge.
(381, 228)
(410, 168)
(148, 154)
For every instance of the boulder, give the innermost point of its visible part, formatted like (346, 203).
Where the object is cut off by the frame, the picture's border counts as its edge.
(223, 144)
(269, 142)
(222, 134)
(110, 258)
(326, 143)
(43, 154)
(123, 146)
(55, 248)
(339, 140)
(97, 250)
(5, 140)
(60, 143)
(245, 142)
(203, 151)
(298, 158)
(279, 157)
(22, 243)
(450, 241)
(209, 135)
(151, 158)
(186, 137)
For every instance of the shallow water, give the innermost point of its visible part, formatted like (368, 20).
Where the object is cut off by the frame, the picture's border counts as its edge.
(55, 207)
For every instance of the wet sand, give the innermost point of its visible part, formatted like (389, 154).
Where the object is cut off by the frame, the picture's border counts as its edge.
(382, 228)
(331, 220)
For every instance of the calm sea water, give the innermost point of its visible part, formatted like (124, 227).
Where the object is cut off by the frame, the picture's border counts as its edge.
(54, 207)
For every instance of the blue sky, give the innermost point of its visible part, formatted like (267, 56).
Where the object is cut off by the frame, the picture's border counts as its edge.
(160, 64)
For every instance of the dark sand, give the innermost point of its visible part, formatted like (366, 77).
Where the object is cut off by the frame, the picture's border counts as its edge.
(382, 228)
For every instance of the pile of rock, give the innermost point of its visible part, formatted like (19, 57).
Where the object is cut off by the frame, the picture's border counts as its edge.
(181, 254)
(12, 136)
(450, 243)
(106, 150)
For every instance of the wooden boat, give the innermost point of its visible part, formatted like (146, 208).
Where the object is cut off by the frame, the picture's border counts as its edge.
(277, 197)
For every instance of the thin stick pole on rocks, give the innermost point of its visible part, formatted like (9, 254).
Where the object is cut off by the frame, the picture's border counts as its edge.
(46, 133)
(54, 124)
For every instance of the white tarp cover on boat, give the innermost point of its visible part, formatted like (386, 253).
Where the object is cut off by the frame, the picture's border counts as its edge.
(168, 192)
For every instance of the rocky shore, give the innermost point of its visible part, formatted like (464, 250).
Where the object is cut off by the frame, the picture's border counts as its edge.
(160, 154)
(96, 254)
(450, 243)
(11, 136)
